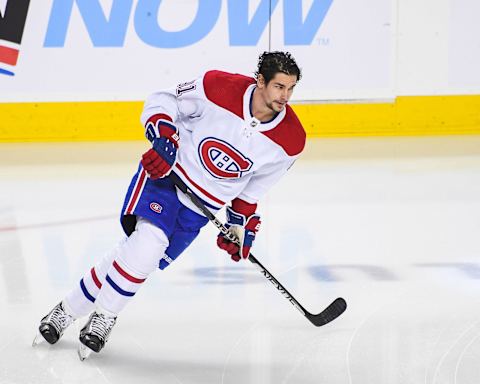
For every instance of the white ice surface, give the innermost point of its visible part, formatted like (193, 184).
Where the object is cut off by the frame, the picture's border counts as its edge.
(392, 225)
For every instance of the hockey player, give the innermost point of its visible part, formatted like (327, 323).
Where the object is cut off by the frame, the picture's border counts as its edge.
(229, 137)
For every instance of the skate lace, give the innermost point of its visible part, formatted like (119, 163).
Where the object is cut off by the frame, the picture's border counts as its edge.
(59, 318)
(101, 325)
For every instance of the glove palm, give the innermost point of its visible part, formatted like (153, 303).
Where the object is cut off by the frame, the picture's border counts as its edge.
(244, 228)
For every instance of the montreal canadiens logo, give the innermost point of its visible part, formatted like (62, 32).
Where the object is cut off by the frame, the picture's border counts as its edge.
(155, 207)
(222, 160)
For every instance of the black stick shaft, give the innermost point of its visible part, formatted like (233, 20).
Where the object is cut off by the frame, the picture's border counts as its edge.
(183, 187)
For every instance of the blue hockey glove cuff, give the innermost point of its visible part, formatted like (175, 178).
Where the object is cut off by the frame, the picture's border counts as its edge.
(244, 228)
(159, 160)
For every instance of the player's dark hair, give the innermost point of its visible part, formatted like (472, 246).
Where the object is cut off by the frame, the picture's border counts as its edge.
(270, 63)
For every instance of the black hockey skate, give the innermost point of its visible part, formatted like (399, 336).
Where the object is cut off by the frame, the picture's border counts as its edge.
(95, 333)
(53, 325)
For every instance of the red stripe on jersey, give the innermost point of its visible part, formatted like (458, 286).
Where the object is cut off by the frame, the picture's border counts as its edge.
(136, 192)
(159, 116)
(95, 278)
(243, 207)
(126, 275)
(209, 195)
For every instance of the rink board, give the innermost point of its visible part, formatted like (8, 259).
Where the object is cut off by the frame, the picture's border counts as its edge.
(105, 121)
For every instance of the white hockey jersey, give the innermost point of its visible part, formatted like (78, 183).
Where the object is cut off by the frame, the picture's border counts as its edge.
(225, 152)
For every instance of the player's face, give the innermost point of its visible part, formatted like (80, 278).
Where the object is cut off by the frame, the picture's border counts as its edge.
(278, 91)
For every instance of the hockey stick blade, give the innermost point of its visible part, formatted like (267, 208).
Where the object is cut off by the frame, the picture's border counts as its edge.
(335, 309)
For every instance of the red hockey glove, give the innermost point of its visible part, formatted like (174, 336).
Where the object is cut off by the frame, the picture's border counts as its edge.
(159, 160)
(244, 223)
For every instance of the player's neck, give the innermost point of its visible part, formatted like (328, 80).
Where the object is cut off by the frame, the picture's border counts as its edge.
(260, 109)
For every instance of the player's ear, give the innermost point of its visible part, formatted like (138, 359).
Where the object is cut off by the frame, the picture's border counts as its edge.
(260, 81)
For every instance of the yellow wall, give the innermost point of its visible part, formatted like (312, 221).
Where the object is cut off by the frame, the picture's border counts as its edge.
(407, 116)
(106, 121)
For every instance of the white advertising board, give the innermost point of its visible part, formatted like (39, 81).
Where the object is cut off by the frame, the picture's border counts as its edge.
(464, 52)
(106, 50)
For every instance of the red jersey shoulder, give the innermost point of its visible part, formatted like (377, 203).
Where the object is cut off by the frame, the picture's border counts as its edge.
(289, 134)
(226, 90)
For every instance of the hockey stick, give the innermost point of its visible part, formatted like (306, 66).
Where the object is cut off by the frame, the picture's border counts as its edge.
(335, 309)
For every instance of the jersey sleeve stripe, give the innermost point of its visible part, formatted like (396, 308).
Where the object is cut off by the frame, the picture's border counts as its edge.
(159, 116)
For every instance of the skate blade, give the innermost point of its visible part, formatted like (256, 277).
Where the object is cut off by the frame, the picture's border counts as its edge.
(38, 339)
(83, 352)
